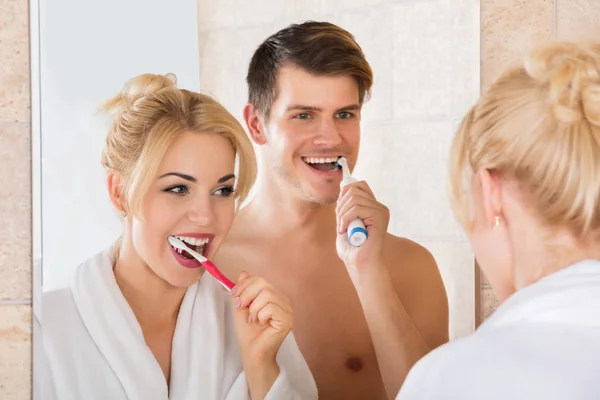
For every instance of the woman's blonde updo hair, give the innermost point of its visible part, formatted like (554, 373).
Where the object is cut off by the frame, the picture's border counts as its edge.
(149, 114)
(539, 124)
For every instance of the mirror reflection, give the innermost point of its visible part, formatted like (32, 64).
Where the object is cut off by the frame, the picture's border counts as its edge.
(234, 210)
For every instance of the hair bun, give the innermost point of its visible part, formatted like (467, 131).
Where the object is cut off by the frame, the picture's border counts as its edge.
(137, 88)
(572, 74)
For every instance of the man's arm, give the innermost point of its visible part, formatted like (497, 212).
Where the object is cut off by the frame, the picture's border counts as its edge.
(406, 308)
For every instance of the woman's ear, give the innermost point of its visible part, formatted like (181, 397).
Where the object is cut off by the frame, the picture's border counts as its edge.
(253, 123)
(113, 183)
(491, 195)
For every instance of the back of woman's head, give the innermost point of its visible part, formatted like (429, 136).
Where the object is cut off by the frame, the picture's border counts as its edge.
(539, 124)
(149, 114)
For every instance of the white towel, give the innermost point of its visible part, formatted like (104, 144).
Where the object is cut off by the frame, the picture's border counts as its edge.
(94, 347)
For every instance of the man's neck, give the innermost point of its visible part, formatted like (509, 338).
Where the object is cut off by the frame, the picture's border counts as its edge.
(278, 212)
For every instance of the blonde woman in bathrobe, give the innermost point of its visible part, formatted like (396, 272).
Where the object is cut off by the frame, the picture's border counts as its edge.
(526, 186)
(142, 321)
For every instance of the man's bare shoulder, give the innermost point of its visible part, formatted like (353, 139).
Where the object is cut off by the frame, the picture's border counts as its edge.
(403, 250)
(418, 282)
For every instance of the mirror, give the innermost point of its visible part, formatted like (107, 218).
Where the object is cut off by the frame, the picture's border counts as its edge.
(425, 58)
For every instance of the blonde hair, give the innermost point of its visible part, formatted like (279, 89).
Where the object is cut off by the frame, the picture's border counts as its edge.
(539, 124)
(149, 114)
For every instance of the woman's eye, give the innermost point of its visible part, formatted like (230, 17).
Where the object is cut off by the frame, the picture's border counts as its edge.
(178, 190)
(225, 191)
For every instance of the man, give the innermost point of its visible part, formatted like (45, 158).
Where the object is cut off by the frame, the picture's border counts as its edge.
(363, 316)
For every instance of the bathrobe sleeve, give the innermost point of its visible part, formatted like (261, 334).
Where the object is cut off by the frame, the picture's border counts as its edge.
(295, 381)
(283, 389)
(441, 375)
(43, 384)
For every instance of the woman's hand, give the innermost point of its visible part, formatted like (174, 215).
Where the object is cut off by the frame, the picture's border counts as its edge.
(263, 318)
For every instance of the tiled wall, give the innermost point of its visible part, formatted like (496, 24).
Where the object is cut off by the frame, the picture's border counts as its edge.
(15, 202)
(508, 27)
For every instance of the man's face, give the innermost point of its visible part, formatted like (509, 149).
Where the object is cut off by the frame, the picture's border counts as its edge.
(313, 121)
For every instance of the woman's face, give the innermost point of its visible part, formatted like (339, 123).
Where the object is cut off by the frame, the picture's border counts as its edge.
(192, 198)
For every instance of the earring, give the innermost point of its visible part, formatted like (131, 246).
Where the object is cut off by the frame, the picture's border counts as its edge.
(123, 213)
(496, 221)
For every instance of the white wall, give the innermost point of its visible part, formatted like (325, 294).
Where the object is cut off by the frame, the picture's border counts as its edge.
(88, 49)
(425, 57)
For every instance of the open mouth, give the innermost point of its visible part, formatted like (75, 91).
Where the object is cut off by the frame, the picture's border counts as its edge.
(326, 164)
(199, 245)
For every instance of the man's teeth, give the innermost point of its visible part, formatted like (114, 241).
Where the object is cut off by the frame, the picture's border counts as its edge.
(314, 160)
(193, 241)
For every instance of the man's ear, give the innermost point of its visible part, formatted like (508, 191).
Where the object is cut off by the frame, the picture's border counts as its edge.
(113, 184)
(255, 129)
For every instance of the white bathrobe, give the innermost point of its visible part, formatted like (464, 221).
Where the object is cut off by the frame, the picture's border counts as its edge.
(94, 348)
(542, 343)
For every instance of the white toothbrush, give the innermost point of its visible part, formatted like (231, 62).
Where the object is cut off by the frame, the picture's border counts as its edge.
(357, 233)
(206, 263)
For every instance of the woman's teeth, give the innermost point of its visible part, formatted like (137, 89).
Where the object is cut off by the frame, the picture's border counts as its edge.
(193, 241)
(196, 244)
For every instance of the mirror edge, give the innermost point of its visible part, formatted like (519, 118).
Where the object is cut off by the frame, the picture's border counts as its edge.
(36, 197)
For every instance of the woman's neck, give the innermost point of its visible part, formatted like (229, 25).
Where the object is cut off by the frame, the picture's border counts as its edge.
(154, 302)
(548, 256)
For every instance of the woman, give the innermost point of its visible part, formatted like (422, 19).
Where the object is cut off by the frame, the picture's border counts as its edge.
(526, 186)
(142, 320)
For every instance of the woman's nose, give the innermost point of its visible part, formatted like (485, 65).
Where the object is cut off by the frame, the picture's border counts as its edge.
(202, 213)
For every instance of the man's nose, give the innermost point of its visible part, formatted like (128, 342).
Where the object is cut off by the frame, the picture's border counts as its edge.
(328, 134)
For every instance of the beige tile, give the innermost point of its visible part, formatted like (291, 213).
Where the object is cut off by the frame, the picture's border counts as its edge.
(15, 213)
(578, 20)
(215, 14)
(489, 303)
(14, 68)
(436, 57)
(224, 59)
(335, 6)
(257, 12)
(243, 14)
(406, 165)
(300, 11)
(371, 28)
(509, 28)
(485, 284)
(15, 352)
(457, 267)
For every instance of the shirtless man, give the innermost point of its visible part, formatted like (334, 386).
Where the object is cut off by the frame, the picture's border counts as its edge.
(363, 316)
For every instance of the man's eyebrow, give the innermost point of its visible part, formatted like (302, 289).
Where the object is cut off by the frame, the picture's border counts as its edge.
(300, 107)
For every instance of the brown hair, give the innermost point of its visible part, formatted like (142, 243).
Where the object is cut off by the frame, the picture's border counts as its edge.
(320, 48)
(539, 124)
(149, 113)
